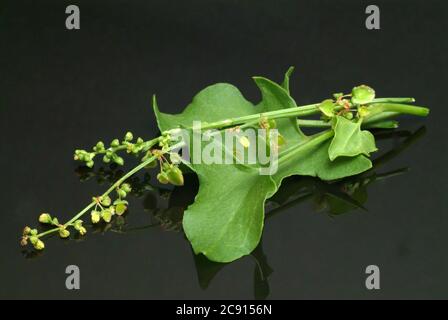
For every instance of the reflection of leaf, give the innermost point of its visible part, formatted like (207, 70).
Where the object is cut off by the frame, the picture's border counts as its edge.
(206, 269)
(349, 140)
(262, 272)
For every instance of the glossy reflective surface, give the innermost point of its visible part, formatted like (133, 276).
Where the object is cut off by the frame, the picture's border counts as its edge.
(61, 90)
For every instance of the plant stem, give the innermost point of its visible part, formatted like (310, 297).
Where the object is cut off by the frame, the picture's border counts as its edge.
(377, 108)
(313, 141)
(93, 203)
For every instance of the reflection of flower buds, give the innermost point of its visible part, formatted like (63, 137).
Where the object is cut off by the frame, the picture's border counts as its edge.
(82, 230)
(45, 218)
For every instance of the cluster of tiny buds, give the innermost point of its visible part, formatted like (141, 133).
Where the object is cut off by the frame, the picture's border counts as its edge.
(110, 153)
(359, 97)
(32, 236)
(105, 209)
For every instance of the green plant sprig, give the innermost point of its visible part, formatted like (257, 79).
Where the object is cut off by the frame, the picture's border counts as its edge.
(344, 115)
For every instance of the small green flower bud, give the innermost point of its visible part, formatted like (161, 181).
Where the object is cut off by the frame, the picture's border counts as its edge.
(39, 245)
(106, 159)
(55, 221)
(106, 215)
(26, 231)
(90, 164)
(348, 115)
(115, 143)
(175, 176)
(338, 95)
(99, 146)
(163, 178)
(106, 201)
(120, 208)
(122, 193)
(129, 136)
(126, 187)
(45, 218)
(95, 216)
(77, 224)
(64, 233)
(33, 240)
(109, 153)
(363, 111)
(140, 140)
(33, 232)
(118, 160)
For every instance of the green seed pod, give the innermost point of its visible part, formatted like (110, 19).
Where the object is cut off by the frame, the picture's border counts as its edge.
(95, 216)
(106, 215)
(115, 143)
(45, 218)
(129, 136)
(163, 178)
(175, 176)
(106, 201)
(64, 233)
(362, 94)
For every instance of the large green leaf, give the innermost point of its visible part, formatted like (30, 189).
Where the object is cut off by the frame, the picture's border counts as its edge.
(226, 220)
(349, 140)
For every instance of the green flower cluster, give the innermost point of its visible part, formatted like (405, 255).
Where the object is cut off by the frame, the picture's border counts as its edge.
(348, 108)
(110, 153)
(105, 209)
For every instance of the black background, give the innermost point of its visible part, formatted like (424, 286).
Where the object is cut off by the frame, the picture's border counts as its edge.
(61, 89)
